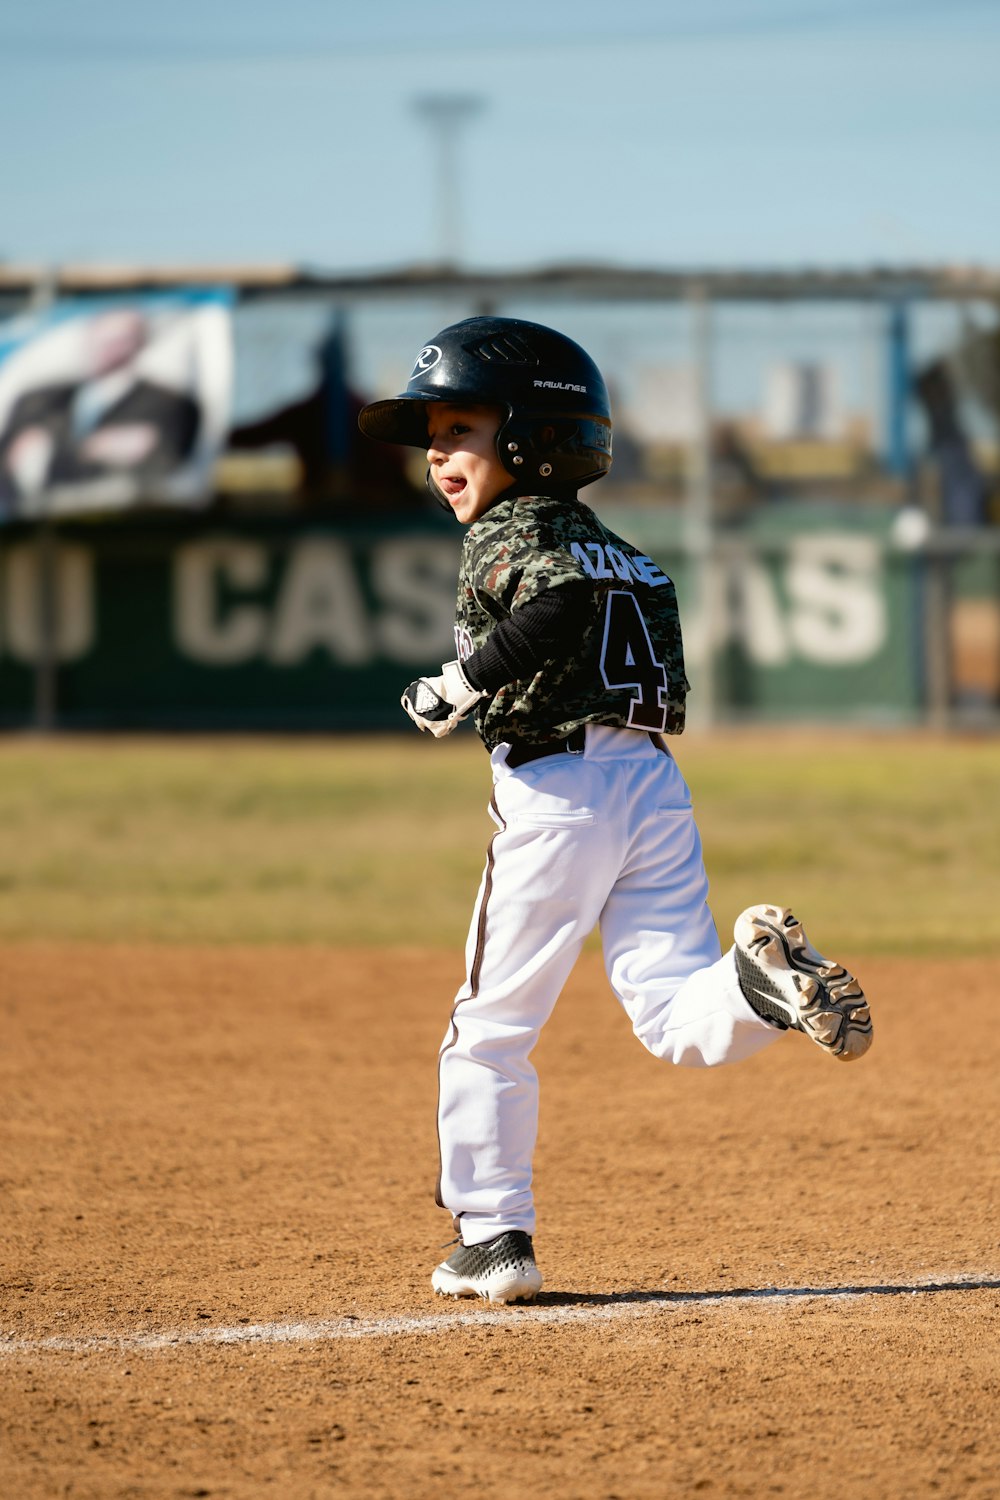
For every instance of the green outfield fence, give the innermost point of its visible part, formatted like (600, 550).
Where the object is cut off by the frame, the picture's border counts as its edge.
(803, 612)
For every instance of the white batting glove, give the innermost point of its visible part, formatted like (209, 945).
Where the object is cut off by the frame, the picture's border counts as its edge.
(437, 704)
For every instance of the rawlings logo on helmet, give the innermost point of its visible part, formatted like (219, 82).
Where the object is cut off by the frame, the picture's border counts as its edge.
(429, 356)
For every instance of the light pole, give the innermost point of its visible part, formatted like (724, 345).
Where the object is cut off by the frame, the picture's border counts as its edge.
(444, 115)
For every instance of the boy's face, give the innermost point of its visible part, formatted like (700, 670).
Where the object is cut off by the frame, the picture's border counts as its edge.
(462, 455)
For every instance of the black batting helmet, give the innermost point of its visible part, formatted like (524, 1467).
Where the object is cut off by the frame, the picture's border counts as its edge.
(556, 431)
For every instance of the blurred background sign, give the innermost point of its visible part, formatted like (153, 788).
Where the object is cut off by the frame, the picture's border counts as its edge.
(270, 623)
(104, 405)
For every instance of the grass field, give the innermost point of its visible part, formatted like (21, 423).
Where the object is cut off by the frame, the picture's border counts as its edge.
(888, 843)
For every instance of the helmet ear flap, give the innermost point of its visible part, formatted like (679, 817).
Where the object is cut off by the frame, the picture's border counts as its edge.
(556, 450)
(513, 451)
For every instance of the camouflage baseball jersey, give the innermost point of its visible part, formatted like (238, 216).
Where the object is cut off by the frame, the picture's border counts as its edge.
(628, 670)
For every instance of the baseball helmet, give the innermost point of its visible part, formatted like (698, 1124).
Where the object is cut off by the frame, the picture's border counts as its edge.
(555, 433)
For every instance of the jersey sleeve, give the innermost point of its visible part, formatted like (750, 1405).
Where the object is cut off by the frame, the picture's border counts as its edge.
(540, 629)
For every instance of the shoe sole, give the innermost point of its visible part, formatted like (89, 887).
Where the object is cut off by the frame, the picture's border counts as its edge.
(797, 987)
(501, 1287)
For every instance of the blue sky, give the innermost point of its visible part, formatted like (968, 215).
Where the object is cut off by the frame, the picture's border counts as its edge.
(732, 132)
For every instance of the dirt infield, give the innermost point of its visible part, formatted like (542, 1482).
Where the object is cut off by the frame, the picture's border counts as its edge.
(781, 1278)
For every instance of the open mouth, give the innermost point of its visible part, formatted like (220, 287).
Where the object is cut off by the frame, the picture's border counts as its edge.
(452, 486)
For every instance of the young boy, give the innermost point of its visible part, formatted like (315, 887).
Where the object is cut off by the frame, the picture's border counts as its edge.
(568, 652)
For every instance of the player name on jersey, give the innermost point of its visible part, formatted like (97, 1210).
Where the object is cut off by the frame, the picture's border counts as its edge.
(599, 560)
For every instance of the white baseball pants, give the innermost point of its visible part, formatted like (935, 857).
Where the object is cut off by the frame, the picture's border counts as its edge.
(607, 836)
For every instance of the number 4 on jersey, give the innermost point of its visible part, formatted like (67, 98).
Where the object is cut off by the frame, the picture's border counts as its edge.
(627, 660)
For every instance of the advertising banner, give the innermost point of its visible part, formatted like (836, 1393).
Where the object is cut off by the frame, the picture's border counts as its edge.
(110, 402)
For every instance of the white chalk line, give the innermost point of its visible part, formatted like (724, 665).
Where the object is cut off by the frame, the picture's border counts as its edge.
(611, 1308)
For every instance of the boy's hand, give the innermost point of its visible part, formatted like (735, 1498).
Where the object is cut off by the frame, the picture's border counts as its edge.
(437, 704)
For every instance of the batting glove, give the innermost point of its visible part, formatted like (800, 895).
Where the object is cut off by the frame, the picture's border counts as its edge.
(437, 704)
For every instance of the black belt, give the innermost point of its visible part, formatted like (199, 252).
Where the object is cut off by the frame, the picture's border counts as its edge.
(521, 752)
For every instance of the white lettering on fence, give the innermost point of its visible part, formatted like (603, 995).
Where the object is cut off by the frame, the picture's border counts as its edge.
(823, 602)
(414, 582)
(21, 599)
(320, 607)
(837, 594)
(235, 602)
(205, 630)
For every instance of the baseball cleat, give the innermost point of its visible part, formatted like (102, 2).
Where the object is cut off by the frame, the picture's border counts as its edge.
(502, 1270)
(788, 983)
